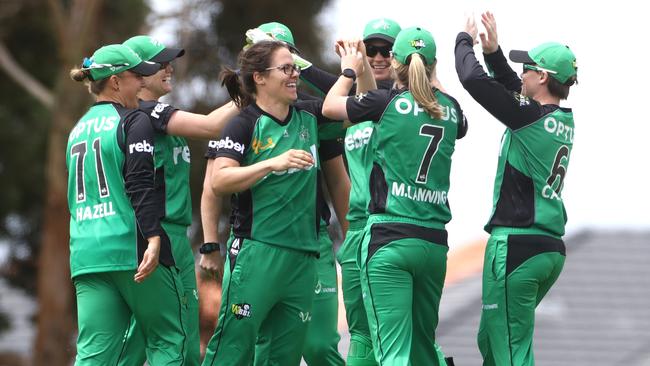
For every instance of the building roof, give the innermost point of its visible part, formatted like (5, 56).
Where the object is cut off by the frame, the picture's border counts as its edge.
(597, 313)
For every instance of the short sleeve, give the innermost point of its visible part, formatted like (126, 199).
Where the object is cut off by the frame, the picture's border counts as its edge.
(368, 106)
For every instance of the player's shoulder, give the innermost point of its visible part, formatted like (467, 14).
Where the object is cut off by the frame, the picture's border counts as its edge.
(443, 96)
(312, 106)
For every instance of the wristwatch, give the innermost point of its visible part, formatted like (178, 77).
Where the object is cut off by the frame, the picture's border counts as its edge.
(208, 248)
(349, 73)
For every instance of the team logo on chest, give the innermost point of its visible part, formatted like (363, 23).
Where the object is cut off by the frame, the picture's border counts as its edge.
(304, 133)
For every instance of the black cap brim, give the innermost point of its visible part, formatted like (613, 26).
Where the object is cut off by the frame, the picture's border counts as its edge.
(146, 68)
(294, 49)
(383, 37)
(168, 55)
(520, 57)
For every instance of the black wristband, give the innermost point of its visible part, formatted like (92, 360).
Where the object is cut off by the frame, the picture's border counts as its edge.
(208, 248)
(349, 73)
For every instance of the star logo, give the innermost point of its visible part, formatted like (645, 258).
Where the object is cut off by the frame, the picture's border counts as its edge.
(278, 31)
(381, 24)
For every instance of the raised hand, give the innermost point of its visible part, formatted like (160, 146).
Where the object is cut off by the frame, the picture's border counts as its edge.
(351, 57)
(471, 29)
(489, 39)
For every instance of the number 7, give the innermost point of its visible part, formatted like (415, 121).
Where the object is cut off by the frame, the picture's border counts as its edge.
(436, 133)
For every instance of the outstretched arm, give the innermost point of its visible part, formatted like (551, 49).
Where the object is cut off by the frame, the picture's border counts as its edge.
(195, 125)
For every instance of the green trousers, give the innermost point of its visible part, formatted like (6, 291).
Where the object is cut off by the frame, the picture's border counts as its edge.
(403, 267)
(360, 352)
(133, 353)
(321, 343)
(268, 291)
(106, 301)
(518, 271)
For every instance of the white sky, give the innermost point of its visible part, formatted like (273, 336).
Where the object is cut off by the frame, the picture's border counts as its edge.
(606, 186)
(607, 183)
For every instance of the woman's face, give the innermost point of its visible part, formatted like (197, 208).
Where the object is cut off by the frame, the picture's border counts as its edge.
(160, 83)
(530, 82)
(281, 81)
(130, 84)
(380, 59)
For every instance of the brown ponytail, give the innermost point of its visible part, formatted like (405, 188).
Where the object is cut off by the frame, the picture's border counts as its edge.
(240, 84)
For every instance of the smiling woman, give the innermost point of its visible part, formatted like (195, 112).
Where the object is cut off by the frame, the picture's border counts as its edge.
(116, 238)
(267, 158)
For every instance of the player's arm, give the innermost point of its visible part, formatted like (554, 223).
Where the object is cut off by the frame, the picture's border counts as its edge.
(139, 186)
(493, 55)
(334, 106)
(338, 186)
(211, 205)
(512, 109)
(195, 125)
(228, 174)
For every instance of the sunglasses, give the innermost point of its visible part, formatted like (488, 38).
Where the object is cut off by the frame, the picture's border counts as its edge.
(287, 69)
(372, 50)
(532, 67)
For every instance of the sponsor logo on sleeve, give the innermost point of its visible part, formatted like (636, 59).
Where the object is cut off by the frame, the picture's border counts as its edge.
(143, 146)
(228, 144)
(157, 109)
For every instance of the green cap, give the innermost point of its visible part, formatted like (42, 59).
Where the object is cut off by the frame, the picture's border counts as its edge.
(382, 28)
(115, 58)
(555, 58)
(149, 49)
(280, 32)
(414, 40)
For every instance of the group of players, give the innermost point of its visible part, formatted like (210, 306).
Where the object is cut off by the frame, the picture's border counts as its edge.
(275, 151)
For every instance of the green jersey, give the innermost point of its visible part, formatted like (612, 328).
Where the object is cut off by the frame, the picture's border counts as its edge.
(360, 145)
(110, 190)
(172, 162)
(535, 149)
(533, 163)
(280, 209)
(412, 162)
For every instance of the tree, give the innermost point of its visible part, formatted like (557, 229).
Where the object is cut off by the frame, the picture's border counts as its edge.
(40, 104)
(72, 30)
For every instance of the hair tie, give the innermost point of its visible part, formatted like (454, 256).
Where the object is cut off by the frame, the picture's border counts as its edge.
(87, 62)
(238, 72)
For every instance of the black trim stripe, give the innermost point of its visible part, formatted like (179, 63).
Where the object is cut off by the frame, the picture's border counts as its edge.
(374, 312)
(385, 233)
(505, 292)
(523, 247)
(378, 190)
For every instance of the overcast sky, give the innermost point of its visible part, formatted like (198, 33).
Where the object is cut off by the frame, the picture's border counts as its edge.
(607, 182)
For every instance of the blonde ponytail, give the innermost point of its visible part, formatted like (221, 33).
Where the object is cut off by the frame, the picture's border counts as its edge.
(79, 74)
(416, 77)
(94, 87)
(420, 87)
